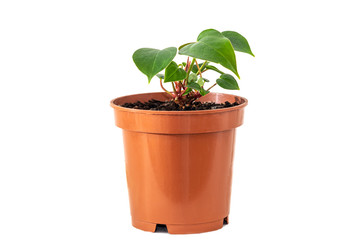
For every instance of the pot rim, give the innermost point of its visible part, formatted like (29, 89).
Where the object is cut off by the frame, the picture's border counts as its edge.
(192, 112)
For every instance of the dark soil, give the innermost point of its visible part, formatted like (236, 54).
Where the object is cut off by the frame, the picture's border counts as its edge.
(157, 105)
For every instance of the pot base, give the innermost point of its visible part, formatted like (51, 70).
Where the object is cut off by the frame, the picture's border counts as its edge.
(182, 228)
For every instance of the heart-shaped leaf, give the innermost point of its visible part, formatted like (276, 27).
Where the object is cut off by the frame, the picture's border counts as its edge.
(200, 81)
(214, 69)
(174, 73)
(151, 61)
(214, 47)
(194, 85)
(185, 45)
(195, 68)
(192, 77)
(239, 43)
(203, 92)
(197, 87)
(209, 33)
(228, 82)
(188, 90)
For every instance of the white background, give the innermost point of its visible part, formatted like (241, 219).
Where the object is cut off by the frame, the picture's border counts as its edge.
(296, 168)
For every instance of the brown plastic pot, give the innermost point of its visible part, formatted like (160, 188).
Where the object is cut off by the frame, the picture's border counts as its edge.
(179, 163)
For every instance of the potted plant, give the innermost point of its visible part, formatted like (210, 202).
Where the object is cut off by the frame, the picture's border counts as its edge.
(179, 143)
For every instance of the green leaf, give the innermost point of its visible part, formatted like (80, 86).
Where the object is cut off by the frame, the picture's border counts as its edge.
(160, 75)
(206, 80)
(174, 73)
(214, 47)
(185, 45)
(187, 91)
(209, 33)
(214, 69)
(194, 85)
(197, 87)
(203, 92)
(200, 81)
(195, 69)
(151, 61)
(192, 77)
(228, 82)
(239, 43)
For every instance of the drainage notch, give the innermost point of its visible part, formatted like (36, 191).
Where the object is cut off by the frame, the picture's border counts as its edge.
(226, 221)
(161, 228)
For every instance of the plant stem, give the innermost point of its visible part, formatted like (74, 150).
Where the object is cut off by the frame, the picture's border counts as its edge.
(211, 86)
(181, 85)
(189, 70)
(183, 91)
(202, 67)
(164, 88)
(199, 72)
(173, 86)
(177, 88)
(187, 64)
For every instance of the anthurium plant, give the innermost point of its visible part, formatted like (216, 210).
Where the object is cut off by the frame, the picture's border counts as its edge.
(187, 78)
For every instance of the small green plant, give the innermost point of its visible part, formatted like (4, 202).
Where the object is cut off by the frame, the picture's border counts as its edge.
(187, 80)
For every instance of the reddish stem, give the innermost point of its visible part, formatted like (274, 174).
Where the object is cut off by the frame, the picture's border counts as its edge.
(164, 88)
(187, 64)
(182, 92)
(198, 68)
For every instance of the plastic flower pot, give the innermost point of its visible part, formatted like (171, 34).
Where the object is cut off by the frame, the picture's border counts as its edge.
(179, 163)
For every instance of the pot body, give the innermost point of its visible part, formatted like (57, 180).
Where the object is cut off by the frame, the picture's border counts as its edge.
(179, 164)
